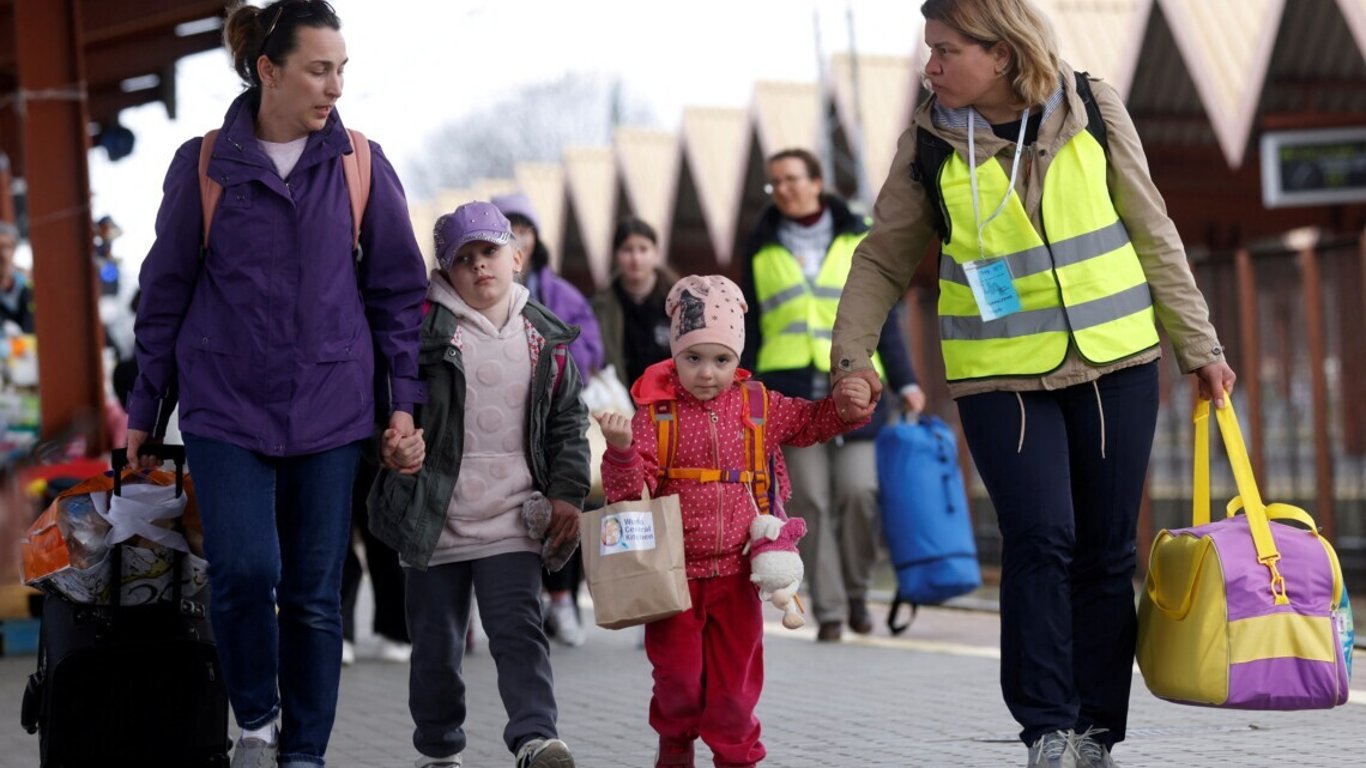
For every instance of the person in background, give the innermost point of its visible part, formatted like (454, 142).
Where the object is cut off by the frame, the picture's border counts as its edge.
(390, 624)
(795, 265)
(16, 296)
(630, 311)
(561, 297)
(267, 340)
(1050, 343)
(502, 432)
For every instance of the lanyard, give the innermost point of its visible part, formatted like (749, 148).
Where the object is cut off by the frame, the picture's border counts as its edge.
(972, 176)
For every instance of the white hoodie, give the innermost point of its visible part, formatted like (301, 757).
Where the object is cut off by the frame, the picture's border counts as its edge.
(484, 517)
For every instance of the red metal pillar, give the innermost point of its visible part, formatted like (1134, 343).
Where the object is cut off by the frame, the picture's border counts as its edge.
(53, 113)
(6, 191)
(1313, 322)
(1250, 356)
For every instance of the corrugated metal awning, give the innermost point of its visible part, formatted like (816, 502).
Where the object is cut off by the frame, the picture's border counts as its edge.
(649, 162)
(543, 183)
(1103, 37)
(787, 115)
(591, 173)
(716, 144)
(887, 88)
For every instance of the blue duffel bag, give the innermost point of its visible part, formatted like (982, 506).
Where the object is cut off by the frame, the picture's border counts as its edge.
(925, 515)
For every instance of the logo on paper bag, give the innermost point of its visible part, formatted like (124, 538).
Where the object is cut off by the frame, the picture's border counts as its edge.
(627, 531)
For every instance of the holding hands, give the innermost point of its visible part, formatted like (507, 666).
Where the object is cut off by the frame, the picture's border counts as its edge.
(855, 395)
(402, 448)
(616, 429)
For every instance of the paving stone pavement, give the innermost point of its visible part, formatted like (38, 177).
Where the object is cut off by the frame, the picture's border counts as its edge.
(929, 698)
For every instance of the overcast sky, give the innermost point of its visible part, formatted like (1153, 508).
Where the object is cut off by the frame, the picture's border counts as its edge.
(416, 64)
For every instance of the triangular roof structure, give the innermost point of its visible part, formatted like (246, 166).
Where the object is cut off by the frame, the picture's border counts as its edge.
(543, 183)
(1355, 13)
(1103, 37)
(886, 98)
(787, 114)
(649, 161)
(1227, 46)
(591, 174)
(716, 146)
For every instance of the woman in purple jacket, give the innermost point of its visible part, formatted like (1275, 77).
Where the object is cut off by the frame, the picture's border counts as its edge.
(270, 339)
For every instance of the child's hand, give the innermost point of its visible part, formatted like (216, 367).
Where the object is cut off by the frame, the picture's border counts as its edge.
(853, 398)
(564, 523)
(616, 428)
(403, 455)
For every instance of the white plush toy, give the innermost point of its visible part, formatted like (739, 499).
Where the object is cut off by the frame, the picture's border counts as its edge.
(775, 566)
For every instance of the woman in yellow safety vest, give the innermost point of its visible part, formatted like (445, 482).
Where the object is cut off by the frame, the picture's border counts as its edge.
(1056, 258)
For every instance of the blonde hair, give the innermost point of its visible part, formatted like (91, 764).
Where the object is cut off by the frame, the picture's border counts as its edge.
(1034, 62)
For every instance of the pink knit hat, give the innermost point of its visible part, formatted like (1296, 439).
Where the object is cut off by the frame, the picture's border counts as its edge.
(706, 309)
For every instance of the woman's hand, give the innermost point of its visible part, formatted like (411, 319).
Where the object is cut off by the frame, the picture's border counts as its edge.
(1215, 380)
(913, 399)
(564, 523)
(616, 429)
(856, 395)
(403, 454)
(133, 443)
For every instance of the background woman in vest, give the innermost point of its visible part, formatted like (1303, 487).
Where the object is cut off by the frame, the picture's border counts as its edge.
(797, 260)
(270, 340)
(1051, 352)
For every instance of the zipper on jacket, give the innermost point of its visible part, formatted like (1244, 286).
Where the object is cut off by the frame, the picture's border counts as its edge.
(720, 495)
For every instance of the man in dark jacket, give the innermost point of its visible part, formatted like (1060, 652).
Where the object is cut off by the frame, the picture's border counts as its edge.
(795, 265)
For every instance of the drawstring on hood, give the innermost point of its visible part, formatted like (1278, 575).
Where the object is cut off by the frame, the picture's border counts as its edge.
(1019, 447)
(1100, 408)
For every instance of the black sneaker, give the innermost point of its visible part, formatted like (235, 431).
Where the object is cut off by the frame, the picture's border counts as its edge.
(859, 619)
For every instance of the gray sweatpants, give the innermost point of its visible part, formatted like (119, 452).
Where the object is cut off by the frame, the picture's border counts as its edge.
(834, 487)
(508, 588)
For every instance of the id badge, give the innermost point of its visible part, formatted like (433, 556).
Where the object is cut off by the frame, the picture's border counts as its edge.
(992, 287)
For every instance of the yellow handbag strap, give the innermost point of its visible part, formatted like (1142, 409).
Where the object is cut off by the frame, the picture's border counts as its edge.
(1253, 508)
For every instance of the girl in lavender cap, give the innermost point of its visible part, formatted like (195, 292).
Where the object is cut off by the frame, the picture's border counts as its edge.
(502, 430)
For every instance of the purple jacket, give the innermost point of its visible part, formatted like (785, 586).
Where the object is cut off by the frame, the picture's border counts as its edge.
(561, 297)
(270, 340)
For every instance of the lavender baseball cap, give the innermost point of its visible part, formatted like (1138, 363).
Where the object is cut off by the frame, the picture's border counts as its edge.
(473, 221)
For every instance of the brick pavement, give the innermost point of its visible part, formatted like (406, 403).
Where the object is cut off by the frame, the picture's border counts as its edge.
(930, 699)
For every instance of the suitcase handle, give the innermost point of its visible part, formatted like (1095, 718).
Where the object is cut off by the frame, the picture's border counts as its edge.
(118, 459)
(897, 603)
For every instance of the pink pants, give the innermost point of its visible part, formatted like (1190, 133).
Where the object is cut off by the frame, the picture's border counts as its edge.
(709, 670)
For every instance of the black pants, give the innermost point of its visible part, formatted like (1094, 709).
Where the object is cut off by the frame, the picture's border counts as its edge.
(1065, 470)
(386, 575)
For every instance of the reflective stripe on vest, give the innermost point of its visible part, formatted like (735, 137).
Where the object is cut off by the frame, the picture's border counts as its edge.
(1086, 286)
(797, 318)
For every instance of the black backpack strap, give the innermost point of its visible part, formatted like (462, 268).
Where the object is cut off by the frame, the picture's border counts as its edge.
(931, 152)
(1095, 122)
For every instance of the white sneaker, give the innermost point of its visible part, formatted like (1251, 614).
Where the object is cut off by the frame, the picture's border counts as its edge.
(348, 653)
(565, 621)
(544, 753)
(393, 651)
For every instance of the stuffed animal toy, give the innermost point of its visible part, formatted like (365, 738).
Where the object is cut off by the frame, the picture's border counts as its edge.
(775, 566)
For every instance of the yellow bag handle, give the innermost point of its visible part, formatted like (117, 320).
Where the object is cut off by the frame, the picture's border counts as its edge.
(1253, 508)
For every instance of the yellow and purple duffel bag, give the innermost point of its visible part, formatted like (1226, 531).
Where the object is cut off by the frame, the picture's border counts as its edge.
(1241, 612)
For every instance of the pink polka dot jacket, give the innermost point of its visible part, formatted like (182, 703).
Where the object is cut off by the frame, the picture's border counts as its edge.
(716, 516)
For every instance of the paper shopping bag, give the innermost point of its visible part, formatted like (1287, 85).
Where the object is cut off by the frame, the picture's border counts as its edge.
(633, 557)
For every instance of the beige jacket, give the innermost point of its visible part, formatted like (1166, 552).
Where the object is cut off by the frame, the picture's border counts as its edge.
(903, 228)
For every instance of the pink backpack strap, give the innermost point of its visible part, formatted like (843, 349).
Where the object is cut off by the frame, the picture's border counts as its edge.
(356, 167)
(210, 191)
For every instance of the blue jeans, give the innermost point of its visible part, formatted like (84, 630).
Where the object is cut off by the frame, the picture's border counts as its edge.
(276, 532)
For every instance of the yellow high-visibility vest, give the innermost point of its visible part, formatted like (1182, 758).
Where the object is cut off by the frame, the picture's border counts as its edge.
(1083, 285)
(796, 317)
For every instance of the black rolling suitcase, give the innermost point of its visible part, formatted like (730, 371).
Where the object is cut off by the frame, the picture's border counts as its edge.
(129, 685)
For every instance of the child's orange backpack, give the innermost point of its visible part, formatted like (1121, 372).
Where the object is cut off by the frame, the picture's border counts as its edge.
(757, 474)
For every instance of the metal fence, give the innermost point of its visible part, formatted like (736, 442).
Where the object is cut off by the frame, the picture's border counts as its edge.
(1292, 315)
